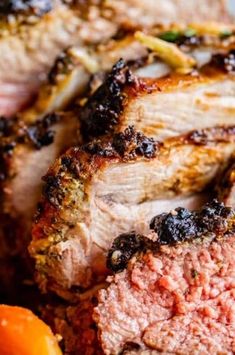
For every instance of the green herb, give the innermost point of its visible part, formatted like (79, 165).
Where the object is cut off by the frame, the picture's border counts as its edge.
(174, 36)
(190, 33)
(225, 34)
(170, 36)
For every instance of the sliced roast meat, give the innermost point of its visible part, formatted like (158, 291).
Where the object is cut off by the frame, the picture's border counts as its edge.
(163, 107)
(27, 141)
(139, 13)
(31, 141)
(25, 158)
(107, 187)
(30, 43)
(33, 33)
(25, 155)
(175, 295)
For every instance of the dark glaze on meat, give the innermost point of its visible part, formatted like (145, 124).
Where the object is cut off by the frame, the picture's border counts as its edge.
(124, 247)
(205, 136)
(14, 132)
(101, 112)
(110, 106)
(128, 145)
(63, 65)
(225, 62)
(180, 225)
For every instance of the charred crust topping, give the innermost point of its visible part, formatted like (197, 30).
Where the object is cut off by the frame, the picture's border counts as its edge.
(51, 189)
(97, 147)
(225, 62)
(207, 136)
(6, 126)
(62, 66)
(182, 225)
(40, 133)
(71, 165)
(123, 249)
(130, 346)
(102, 111)
(14, 132)
(25, 7)
(128, 145)
(131, 143)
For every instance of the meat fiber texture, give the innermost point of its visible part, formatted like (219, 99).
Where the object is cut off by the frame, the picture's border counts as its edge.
(176, 299)
(94, 193)
(33, 34)
(168, 11)
(199, 100)
(29, 49)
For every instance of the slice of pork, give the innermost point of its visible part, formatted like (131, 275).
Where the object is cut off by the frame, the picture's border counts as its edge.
(34, 33)
(141, 13)
(164, 107)
(27, 145)
(175, 295)
(31, 141)
(95, 192)
(29, 49)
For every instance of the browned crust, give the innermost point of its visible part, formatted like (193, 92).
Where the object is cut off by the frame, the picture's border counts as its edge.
(105, 109)
(68, 185)
(81, 164)
(14, 132)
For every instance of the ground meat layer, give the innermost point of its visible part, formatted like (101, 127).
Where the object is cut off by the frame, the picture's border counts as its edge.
(178, 301)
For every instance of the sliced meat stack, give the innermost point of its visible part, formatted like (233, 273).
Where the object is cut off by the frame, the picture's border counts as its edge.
(175, 295)
(33, 33)
(107, 187)
(155, 133)
(117, 183)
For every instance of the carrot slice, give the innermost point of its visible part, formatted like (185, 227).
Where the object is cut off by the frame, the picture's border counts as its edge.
(23, 333)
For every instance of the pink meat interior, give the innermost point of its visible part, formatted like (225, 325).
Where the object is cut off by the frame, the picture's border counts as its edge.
(179, 301)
